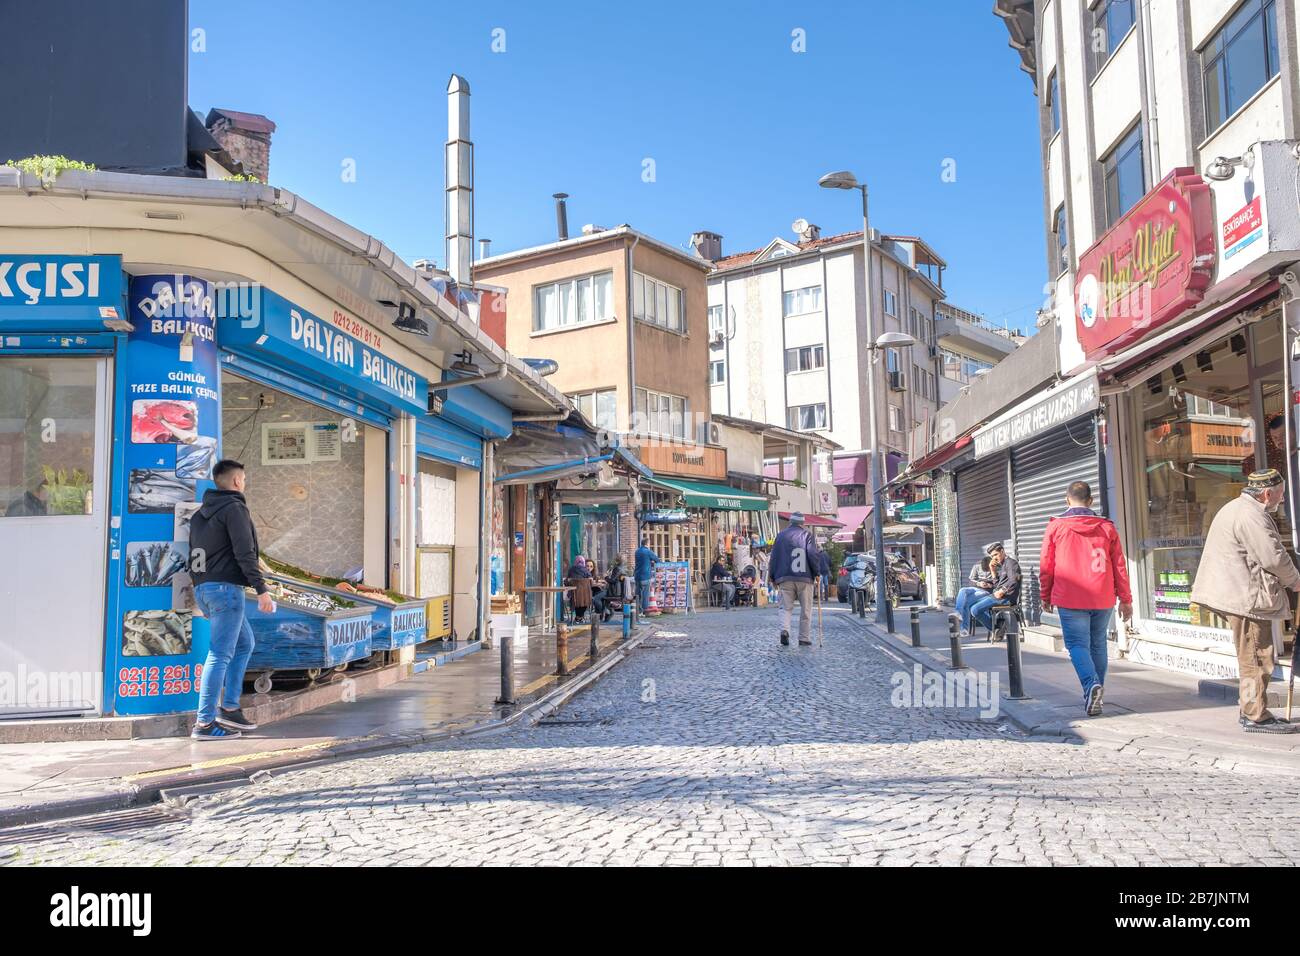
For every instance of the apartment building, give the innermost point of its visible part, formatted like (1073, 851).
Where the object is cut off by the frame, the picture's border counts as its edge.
(787, 336)
(969, 345)
(1169, 151)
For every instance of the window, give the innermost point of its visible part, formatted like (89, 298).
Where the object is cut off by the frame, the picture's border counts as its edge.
(1053, 103)
(806, 418)
(716, 324)
(805, 358)
(717, 373)
(599, 408)
(1239, 60)
(1123, 175)
(891, 360)
(891, 303)
(851, 496)
(573, 302)
(659, 414)
(44, 399)
(895, 418)
(1062, 240)
(1111, 22)
(802, 301)
(658, 303)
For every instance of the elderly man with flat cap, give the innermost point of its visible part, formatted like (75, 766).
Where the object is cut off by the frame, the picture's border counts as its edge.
(1243, 575)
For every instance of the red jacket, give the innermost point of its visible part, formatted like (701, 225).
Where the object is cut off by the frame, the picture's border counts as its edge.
(1082, 565)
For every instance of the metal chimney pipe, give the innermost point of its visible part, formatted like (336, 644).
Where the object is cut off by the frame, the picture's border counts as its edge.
(459, 182)
(483, 246)
(561, 215)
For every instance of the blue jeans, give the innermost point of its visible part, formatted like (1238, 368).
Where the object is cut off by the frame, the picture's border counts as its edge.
(979, 609)
(643, 593)
(230, 647)
(1085, 639)
(965, 598)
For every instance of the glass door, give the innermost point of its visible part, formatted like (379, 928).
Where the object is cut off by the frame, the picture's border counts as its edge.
(54, 453)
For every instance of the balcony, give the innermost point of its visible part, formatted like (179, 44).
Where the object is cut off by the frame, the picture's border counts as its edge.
(974, 337)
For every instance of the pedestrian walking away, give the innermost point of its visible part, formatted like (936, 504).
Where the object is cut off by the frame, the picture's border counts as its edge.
(644, 571)
(796, 562)
(1082, 574)
(1243, 576)
(224, 561)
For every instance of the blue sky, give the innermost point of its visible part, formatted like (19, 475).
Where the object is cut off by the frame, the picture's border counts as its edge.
(739, 126)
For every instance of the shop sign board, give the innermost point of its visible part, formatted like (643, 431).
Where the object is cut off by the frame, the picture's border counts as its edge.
(1049, 410)
(1208, 664)
(324, 349)
(1149, 268)
(60, 291)
(171, 387)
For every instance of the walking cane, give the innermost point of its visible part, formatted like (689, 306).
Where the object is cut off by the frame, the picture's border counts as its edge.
(820, 642)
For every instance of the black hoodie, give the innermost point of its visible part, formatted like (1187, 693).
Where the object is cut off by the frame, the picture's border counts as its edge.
(222, 530)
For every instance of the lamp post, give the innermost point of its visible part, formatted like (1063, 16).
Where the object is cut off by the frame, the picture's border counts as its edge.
(846, 180)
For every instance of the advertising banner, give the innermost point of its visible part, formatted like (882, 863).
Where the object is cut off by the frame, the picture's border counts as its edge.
(1045, 412)
(173, 404)
(59, 293)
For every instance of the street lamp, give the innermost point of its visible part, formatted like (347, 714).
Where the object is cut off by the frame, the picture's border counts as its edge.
(844, 179)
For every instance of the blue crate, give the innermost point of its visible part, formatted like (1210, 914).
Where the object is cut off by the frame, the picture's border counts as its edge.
(409, 616)
(297, 638)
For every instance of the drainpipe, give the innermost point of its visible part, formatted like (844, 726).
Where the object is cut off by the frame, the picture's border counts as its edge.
(631, 341)
(1152, 122)
(483, 624)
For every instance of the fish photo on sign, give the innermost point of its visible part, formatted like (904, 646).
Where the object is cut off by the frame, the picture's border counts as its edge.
(155, 491)
(163, 421)
(181, 525)
(195, 460)
(151, 564)
(156, 633)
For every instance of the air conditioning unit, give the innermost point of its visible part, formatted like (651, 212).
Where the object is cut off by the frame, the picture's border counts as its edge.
(710, 433)
(897, 382)
(716, 339)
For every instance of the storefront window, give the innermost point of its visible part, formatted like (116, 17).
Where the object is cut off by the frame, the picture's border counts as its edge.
(1205, 428)
(47, 436)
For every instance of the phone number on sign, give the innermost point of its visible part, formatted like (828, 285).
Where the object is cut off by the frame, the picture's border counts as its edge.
(153, 681)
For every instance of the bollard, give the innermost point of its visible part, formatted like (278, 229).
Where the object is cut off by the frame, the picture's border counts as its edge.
(561, 649)
(889, 615)
(916, 627)
(631, 605)
(627, 619)
(860, 598)
(595, 636)
(507, 644)
(1015, 670)
(954, 641)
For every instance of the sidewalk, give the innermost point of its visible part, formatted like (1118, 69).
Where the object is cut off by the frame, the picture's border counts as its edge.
(47, 780)
(1146, 709)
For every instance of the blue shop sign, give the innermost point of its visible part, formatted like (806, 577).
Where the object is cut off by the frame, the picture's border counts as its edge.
(321, 349)
(60, 292)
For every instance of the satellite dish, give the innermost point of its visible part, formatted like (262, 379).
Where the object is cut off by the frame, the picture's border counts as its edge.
(800, 226)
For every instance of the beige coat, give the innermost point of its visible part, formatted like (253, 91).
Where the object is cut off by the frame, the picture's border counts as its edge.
(1244, 568)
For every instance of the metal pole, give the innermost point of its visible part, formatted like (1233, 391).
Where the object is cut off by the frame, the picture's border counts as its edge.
(916, 628)
(507, 668)
(1015, 668)
(954, 641)
(877, 458)
(594, 651)
(561, 649)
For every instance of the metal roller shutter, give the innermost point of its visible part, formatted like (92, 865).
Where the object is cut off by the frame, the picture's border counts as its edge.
(1040, 472)
(945, 538)
(983, 509)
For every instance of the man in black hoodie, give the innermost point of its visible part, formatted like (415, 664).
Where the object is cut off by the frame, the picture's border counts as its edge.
(223, 561)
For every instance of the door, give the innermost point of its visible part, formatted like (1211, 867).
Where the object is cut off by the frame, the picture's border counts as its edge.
(54, 449)
(983, 509)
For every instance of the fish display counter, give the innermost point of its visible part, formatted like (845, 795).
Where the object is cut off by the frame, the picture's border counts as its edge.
(398, 621)
(308, 631)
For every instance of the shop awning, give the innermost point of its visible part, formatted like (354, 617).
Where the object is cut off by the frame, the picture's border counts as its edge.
(710, 494)
(852, 518)
(814, 521)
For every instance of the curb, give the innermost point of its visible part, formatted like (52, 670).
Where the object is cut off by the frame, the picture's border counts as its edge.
(1040, 720)
(180, 788)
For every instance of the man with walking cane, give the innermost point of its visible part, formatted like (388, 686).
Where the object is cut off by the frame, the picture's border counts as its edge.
(797, 562)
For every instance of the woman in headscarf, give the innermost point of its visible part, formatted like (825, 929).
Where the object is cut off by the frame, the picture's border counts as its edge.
(579, 578)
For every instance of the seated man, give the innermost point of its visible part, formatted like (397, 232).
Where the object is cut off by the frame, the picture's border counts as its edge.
(1006, 584)
(981, 585)
(721, 584)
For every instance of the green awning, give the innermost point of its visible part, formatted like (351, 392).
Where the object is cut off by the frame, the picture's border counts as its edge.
(917, 510)
(711, 494)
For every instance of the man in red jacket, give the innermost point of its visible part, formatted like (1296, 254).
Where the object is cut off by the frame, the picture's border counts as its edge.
(1082, 573)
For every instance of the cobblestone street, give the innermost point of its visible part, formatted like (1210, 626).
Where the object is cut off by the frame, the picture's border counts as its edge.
(711, 744)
